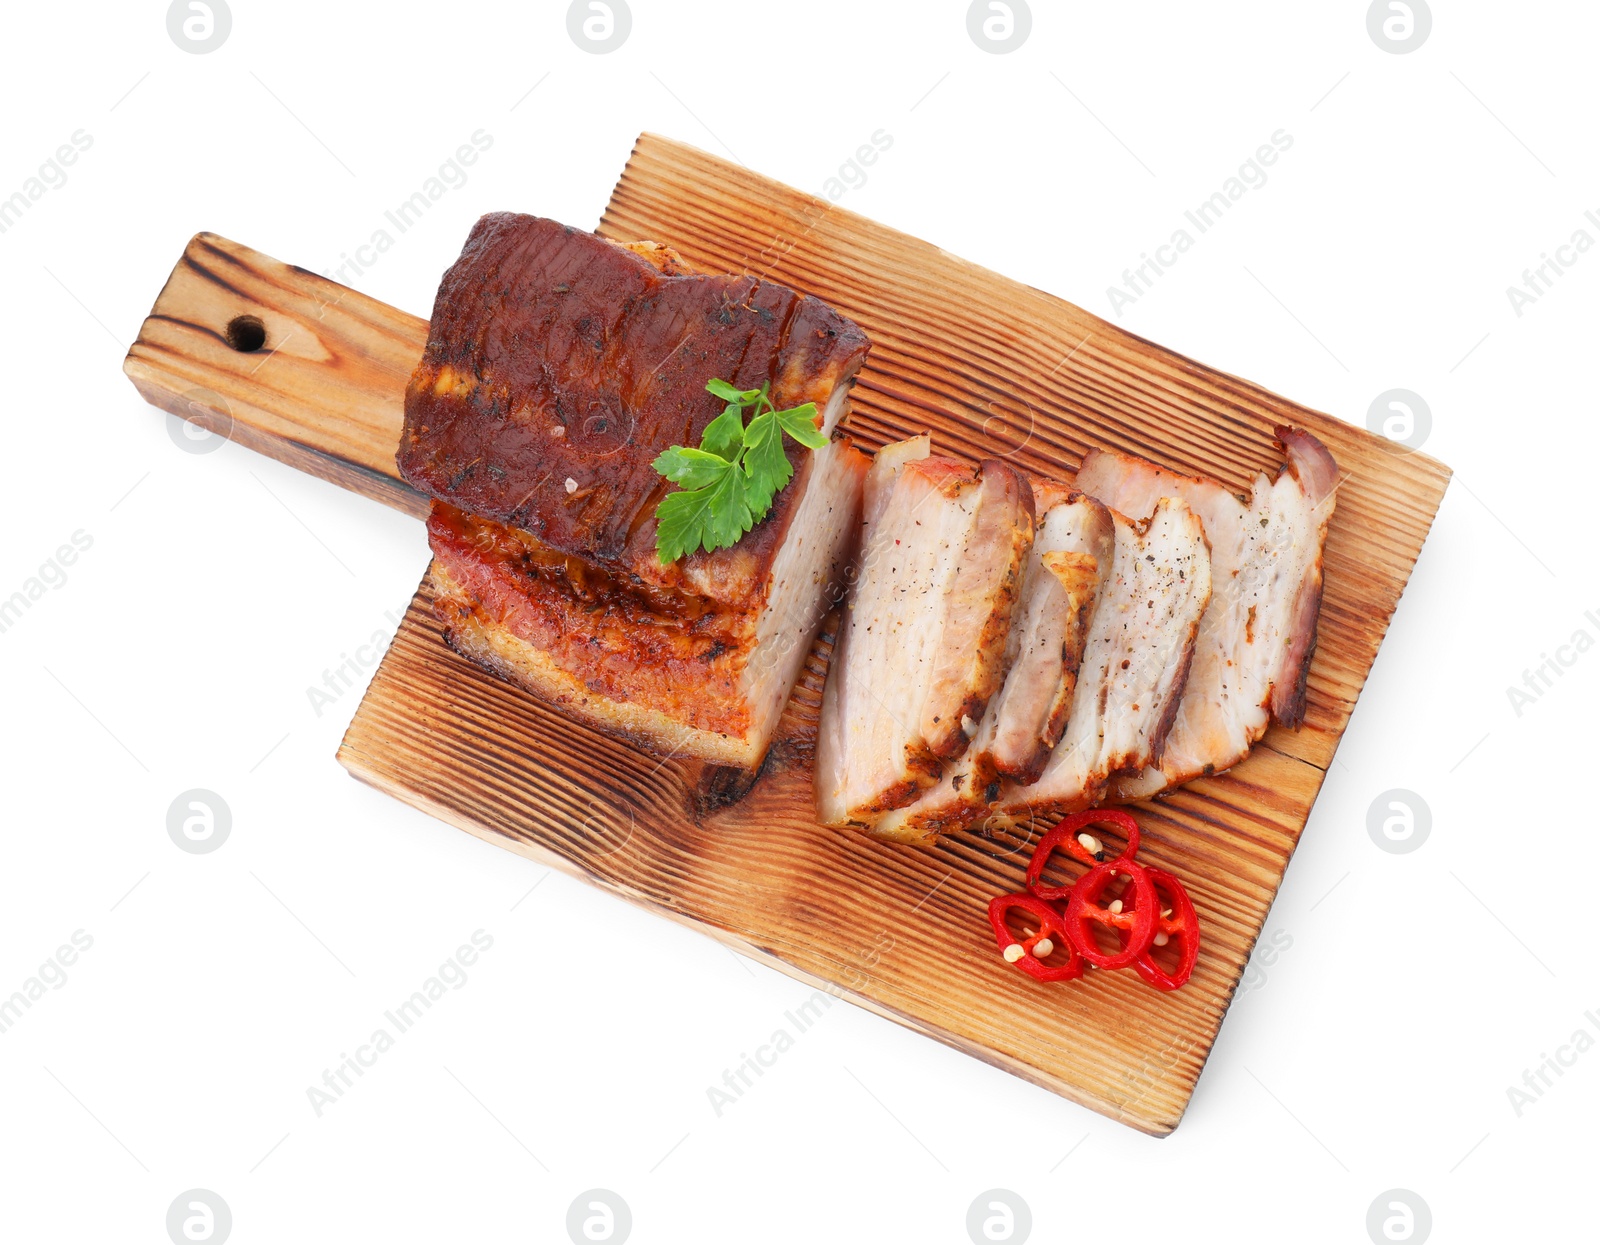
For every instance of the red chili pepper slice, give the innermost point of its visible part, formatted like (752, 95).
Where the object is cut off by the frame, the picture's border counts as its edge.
(1065, 837)
(1182, 924)
(1134, 917)
(1050, 928)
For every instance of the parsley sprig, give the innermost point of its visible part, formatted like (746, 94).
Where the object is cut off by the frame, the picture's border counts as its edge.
(726, 486)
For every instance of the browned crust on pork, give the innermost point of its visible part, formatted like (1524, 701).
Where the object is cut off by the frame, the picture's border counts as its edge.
(1082, 585)
(613, 641)
(1309, 461)
(974, 668)
(1288, 701)
(559, 365)
(1169, 711)
(929, 825)
(503, 654)
(923, 768)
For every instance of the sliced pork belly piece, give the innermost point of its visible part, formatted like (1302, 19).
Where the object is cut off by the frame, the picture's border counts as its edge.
(830, 771)
(886, 464)
(1071, 555)
(1258, 633)
(1074, 550)
(558, 366)
(1135, 662)
(969, 659)
(921, 650)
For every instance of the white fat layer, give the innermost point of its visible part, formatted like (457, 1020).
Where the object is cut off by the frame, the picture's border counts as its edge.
(894, 631)
(838, 697)
(808, 577)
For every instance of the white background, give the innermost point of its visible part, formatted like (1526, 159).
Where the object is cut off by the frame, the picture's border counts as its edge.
(1375, 1052)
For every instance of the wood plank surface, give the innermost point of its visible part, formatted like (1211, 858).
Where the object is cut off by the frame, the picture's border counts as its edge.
(325, 389)
(990, 367)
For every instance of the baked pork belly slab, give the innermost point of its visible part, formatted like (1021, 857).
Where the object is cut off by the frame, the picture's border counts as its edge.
(1071, 556)
(1258, 634)
(1135, 662)
(558, 367)
(921, 650)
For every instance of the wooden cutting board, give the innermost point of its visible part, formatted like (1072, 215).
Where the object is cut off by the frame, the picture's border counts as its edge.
(992, 368)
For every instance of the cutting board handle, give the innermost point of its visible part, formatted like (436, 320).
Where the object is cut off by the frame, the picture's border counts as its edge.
(284, 362)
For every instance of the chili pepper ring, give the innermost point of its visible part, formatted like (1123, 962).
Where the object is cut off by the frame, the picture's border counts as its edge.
(1138, 926)
(1183, 923)
(1028, 953)
(1065, 837)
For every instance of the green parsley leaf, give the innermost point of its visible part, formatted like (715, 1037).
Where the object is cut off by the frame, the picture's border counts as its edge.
(731, 516)
(765, 464)
(709, 518)
(726, 486)
(725, 434)
(800, 422)
(722, 389)
(691, 469)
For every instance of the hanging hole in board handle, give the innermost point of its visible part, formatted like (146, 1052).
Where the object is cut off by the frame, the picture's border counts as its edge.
(246, 334)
